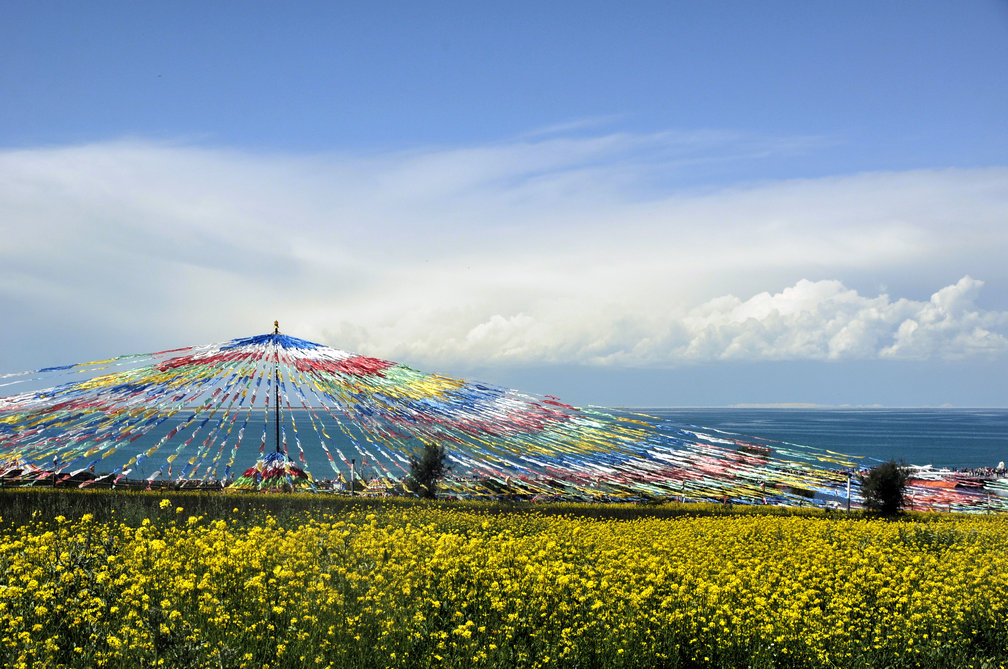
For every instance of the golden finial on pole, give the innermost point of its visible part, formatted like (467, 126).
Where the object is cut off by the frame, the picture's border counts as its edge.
(276, 327)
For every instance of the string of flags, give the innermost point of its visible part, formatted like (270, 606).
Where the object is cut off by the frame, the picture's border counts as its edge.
(188, 415)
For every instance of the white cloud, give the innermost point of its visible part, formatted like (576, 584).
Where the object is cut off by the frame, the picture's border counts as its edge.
(811, 320)
(949, 325)
(825, 320)
(547, 248)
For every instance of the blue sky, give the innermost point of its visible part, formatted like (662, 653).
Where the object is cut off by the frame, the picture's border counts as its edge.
(661, 203)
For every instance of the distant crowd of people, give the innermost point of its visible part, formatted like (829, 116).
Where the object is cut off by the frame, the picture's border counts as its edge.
(985, 472)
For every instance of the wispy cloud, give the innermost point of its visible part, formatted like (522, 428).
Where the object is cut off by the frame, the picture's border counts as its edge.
(547, 248)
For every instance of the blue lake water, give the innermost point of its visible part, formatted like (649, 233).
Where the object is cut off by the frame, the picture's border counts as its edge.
(960, 438)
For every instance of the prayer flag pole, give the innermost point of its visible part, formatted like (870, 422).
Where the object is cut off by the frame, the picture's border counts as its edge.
(276, 383)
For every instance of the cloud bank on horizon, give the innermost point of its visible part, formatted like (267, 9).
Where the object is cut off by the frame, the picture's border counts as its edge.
(561, 246)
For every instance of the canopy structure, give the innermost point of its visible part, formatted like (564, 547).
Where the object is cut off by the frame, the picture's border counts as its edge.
(306, 414)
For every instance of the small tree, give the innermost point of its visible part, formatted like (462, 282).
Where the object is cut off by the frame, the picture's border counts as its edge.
(884, 487)
(427, 470)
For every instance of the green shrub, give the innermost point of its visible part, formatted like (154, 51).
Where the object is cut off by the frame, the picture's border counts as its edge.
(884, 488)
(427, 470)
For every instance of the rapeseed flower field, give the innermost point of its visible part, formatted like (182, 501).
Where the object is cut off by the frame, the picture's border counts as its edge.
(428, 585)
